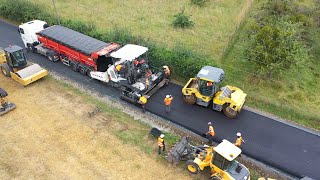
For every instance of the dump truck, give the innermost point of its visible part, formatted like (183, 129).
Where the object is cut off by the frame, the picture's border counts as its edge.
(125, 68)
(13, 63)
(205, 88)
(5, 106)
(221, 159)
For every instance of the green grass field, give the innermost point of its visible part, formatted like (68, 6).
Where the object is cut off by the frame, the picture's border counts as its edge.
(152, 19)
(292, 96)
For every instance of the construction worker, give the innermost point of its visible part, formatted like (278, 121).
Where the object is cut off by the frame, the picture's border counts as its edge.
(211, 130)
(167, 101)
(118, 67)
(161, 143)
(239, 140)
(211, 133)
(167, 72)
(143, 101)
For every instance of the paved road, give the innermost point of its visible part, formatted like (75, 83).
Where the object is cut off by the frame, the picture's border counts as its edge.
(285, 147)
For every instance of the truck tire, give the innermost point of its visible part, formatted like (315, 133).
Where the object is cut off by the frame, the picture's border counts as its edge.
(74, 66)
(192, 167)
(88, 72)
(30, 48)
(6, 69)
(230, 113)
(189, 99)
(82, 70)
(50, 57)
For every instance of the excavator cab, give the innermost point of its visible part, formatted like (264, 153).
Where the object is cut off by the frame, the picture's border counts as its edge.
(15, 57)
(205, 88)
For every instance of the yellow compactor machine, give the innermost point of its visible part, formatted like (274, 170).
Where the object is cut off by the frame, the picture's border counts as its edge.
(205, 87)
(13, 64)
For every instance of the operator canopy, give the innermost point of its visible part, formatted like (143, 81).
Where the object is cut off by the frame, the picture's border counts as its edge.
(12, 49)
(211, 74)
(129, 52)
(227, 150)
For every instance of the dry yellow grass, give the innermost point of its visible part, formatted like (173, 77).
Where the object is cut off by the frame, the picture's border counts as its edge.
(51, 136)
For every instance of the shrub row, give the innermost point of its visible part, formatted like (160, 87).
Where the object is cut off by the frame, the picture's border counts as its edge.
(183, 62)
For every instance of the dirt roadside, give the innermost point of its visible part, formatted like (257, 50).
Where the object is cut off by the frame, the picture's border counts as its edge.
(51, 135)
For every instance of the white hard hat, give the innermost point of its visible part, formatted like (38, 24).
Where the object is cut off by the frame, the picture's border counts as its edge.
(162, 136)
(209, 123)
(167, 96)
(165, 66)
(238, 134)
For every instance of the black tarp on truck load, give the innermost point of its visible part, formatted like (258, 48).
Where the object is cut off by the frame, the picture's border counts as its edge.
(73, 39)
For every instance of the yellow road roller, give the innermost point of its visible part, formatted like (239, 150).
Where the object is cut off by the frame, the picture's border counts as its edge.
(205, 87)
(13, 64)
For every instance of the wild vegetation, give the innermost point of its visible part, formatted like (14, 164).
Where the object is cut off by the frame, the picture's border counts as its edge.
(272, 56)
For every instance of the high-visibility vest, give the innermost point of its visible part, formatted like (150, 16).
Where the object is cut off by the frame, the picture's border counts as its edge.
(143, 100)
(118, 67)
(239, 141)
(167, 101)
(167, 71)
(160, 142)
(211, 130)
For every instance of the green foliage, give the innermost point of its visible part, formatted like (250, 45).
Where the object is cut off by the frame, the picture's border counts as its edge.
(182, 20)
(23, 11)
(276, 41)
(199, 3)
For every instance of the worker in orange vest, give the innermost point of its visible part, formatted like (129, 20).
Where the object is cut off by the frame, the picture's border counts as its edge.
(167, 101)
(211, 130)
(210, 133)
(239, 140)
(161, 143)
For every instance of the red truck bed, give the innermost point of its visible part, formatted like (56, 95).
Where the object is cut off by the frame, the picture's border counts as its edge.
(74, 45)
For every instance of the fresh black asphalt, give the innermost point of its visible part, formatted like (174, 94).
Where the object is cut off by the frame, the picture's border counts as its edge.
(285, 147)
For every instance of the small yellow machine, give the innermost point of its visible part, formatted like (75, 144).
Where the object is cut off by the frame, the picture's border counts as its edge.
(13, 64)
(5, 106)
(221, 160)
(205, 88)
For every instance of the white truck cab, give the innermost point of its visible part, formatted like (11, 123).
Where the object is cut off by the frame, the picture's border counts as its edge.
(28, 32)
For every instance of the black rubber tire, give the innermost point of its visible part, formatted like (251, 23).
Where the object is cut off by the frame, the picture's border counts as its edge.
(30, 48)
(50, 57)
(189, 99)
(6, 69)
(215, 178)
(74, 66)
(88, 72)
(192, 167)
(82, 70)
(229, 112)
(3, 93)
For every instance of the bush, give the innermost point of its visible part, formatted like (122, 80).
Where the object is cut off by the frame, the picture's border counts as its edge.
(200, 3)
(182, 20)
(276, 42)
